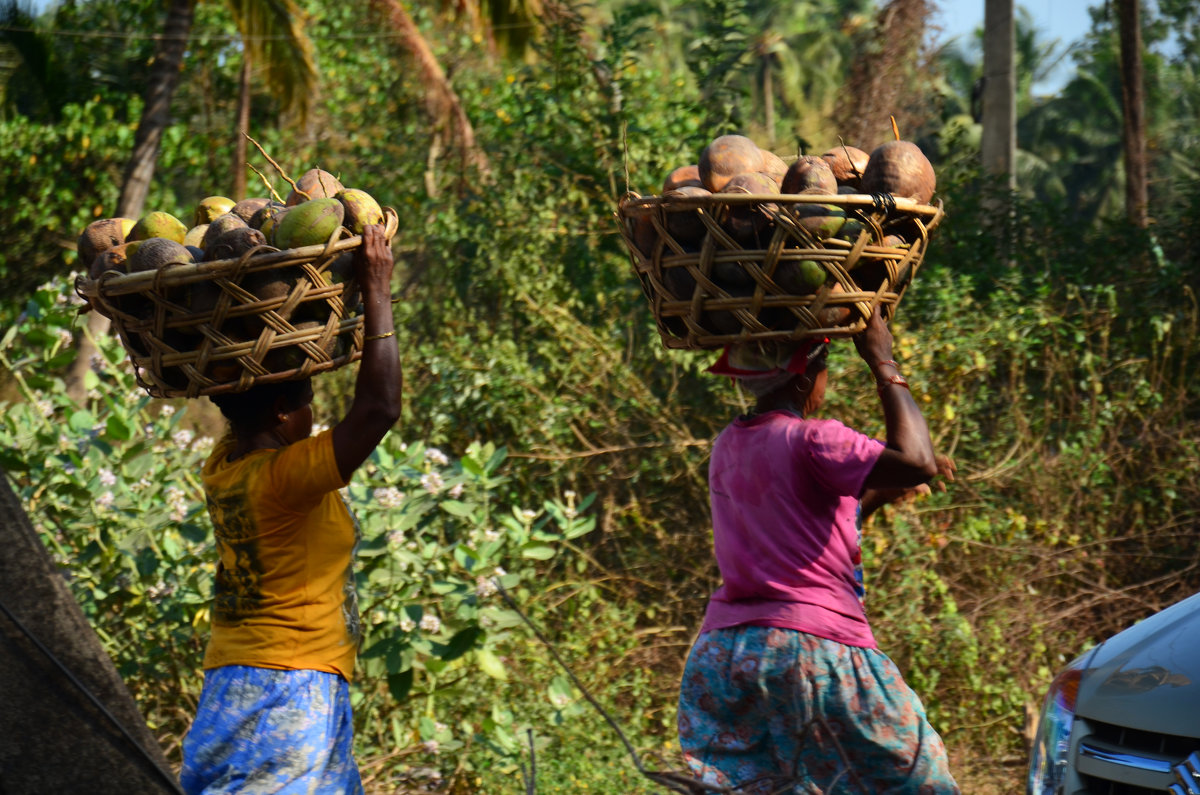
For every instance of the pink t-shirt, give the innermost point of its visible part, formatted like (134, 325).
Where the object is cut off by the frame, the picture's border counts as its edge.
(784, 494)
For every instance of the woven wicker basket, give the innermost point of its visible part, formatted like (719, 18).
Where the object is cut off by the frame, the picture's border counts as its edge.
(708, 289)
(181, 346)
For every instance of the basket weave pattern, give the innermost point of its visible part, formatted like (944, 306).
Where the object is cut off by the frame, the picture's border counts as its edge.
(237, 339)
(710, 290)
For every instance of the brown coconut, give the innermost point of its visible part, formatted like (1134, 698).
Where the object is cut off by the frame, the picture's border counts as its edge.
(847, 164)
(725, 157)
(747, 222)
(314, 184)
(684, 176)
(901, 169)
(683, 222)
(809, 173)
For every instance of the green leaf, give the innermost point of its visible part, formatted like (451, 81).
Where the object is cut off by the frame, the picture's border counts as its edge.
(490, 664)
(399, 684)
(469, 464)
(456, 508)
(81, 421)
(118, 429)
(538, 551)
(462, 642)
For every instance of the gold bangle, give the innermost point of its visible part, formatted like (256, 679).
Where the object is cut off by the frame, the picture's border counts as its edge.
(370, 337)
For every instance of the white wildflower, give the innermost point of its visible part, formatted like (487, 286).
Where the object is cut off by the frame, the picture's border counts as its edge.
(166, 411)
(430, 746)
(406, 624)
(395, 537)
(430, 623)
(45, 408)
(178, 503)
(456, 491)
(570, 512)
(484, 587)
(205, 443)
(107, 478)
(569, 494)
(105, 500)
(528, 515)
(492, 534)
(183, 438)
(65, 337)
(500, 572)
(388, 497)
(440, 727)
(432, 482)
(436, 456)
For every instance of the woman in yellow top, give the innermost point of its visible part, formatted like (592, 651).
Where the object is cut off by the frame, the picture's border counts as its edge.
(274, 714)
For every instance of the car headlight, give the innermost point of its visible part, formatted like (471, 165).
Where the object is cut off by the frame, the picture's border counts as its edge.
(1052, 743)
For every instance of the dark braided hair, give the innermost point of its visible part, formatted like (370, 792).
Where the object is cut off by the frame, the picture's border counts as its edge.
(253, 409)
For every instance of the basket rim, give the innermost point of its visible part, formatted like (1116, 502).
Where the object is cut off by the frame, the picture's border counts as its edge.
(114, 283)
(874, 200)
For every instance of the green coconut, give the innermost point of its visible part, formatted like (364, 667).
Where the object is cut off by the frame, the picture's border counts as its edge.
(361, 210)
(158, 224)
(309, 224)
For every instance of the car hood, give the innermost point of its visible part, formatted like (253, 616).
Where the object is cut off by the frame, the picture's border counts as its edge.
(1148, 677)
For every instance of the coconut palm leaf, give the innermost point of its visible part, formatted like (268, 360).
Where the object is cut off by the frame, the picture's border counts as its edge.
(273, 35)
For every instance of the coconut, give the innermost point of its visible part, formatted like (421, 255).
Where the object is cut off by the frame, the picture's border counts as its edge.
(112, 259)
(246, 208)
(774, 165)
(219, 226)
(725, 157)
(195, 235)
(643, 235)
(158, 252)
(360, 210)
(684, 222)
(747, 222)
(822, 221)
(233, 243)
(99, 236)
(688, 176)
(309, 224)
(158, 224)
(210, 208)
(809, 173)
(800, 277)
(263, 214)
(314, 184)
(847, 164)
(901, 169)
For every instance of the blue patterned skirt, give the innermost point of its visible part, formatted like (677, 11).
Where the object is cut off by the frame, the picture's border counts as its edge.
(259, 731)
(780, 711)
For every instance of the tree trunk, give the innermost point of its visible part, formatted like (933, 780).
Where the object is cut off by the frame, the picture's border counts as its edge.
(243, 129)
(999, 140)
(1133, 101)
(135, 185)
(70, 724)
(998, 144)
(441, 101)
(768, 89)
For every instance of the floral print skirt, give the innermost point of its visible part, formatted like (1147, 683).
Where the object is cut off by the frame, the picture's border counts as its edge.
(770, 710)
(259, 730)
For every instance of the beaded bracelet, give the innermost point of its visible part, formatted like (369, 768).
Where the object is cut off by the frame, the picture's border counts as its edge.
(891, 362)
(378, 336)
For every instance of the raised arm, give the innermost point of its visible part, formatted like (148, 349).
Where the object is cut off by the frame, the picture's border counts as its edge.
(377, 390)
(908, 459)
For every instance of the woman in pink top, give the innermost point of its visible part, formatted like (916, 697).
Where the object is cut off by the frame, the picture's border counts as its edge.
(785, 689)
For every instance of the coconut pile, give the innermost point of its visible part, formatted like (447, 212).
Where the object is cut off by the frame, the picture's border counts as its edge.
(317, 210)
(699, 208)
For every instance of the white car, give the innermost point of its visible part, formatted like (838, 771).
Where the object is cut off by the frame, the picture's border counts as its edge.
(1124, 717)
